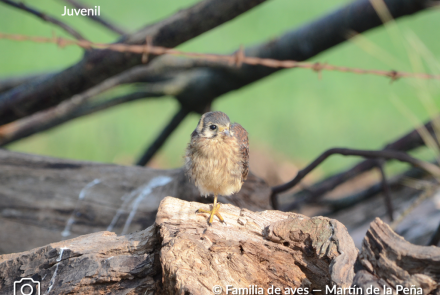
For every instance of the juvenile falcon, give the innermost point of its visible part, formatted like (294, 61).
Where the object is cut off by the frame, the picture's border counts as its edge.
(217, 158)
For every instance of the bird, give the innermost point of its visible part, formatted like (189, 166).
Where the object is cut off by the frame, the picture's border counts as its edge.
(217, 158)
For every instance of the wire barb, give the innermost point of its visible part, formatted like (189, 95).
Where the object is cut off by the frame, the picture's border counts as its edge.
(394, 75)
(239, 57)
(318, 67)
(236, 59)
(147, 49)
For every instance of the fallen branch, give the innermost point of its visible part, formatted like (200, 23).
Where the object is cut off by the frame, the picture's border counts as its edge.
(383, 154)
(407, 142)
(350, 201)
(46, 18)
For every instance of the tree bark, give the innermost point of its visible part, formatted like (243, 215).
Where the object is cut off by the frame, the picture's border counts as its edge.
(181, 254)
(97, 65)
(305, 42)
(46, 200)
(194, 86)
(204, 84)
(388, 258)
(99, 263)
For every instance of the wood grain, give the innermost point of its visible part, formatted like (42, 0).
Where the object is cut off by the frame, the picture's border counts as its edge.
(181, 254)
(41, 196)
(255, 248)
(390, 258)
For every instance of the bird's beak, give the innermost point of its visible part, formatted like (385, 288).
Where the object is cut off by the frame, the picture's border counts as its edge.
(224, 130)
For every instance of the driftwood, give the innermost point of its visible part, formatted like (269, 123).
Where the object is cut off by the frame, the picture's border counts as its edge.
(391, 261)
(44, 200)
(181, 254)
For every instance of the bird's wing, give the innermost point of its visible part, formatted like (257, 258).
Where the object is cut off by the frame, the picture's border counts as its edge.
(242, 137)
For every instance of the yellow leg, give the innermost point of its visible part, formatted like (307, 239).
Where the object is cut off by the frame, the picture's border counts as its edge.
(215, 211)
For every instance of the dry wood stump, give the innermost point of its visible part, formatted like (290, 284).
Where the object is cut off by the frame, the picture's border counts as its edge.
(396, 264)
(181, 254)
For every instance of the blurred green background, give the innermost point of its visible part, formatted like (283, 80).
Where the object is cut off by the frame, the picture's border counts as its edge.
(292, 113)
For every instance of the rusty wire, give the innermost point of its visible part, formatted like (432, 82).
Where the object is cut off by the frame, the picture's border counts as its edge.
(236, 59)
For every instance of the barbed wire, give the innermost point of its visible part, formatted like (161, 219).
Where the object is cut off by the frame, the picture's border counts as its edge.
(236, 59)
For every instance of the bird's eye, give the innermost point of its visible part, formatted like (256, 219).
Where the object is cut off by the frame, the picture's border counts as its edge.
(213, 127)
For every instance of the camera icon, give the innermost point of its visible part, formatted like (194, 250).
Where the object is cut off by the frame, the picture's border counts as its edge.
(27, 286)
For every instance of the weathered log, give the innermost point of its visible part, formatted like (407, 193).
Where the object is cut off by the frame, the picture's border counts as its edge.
(44, 200)
(264, 249)
(99, 263)
(417, 227)
(388, 258)
(181, 254)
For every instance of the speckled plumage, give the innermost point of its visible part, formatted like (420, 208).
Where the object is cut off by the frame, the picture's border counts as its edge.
(217, 162)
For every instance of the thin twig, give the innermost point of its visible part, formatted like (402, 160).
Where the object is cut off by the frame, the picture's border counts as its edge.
(45, 17)
(99, 19)
(435, 239)
(383, 154)
(423, 196)
(228, 59)
(163, 136)
(162, 69)
(62, 113)
(98, 65)
(409, 141)
(91, 108)
(81, 105)
(386, 190)
(351, 200)
(274, 201)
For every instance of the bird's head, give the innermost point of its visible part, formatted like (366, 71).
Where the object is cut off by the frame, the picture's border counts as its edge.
(213, 125)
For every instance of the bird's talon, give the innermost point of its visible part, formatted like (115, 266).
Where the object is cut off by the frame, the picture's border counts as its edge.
(215, 211)
(219, 217)
(203, 211)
